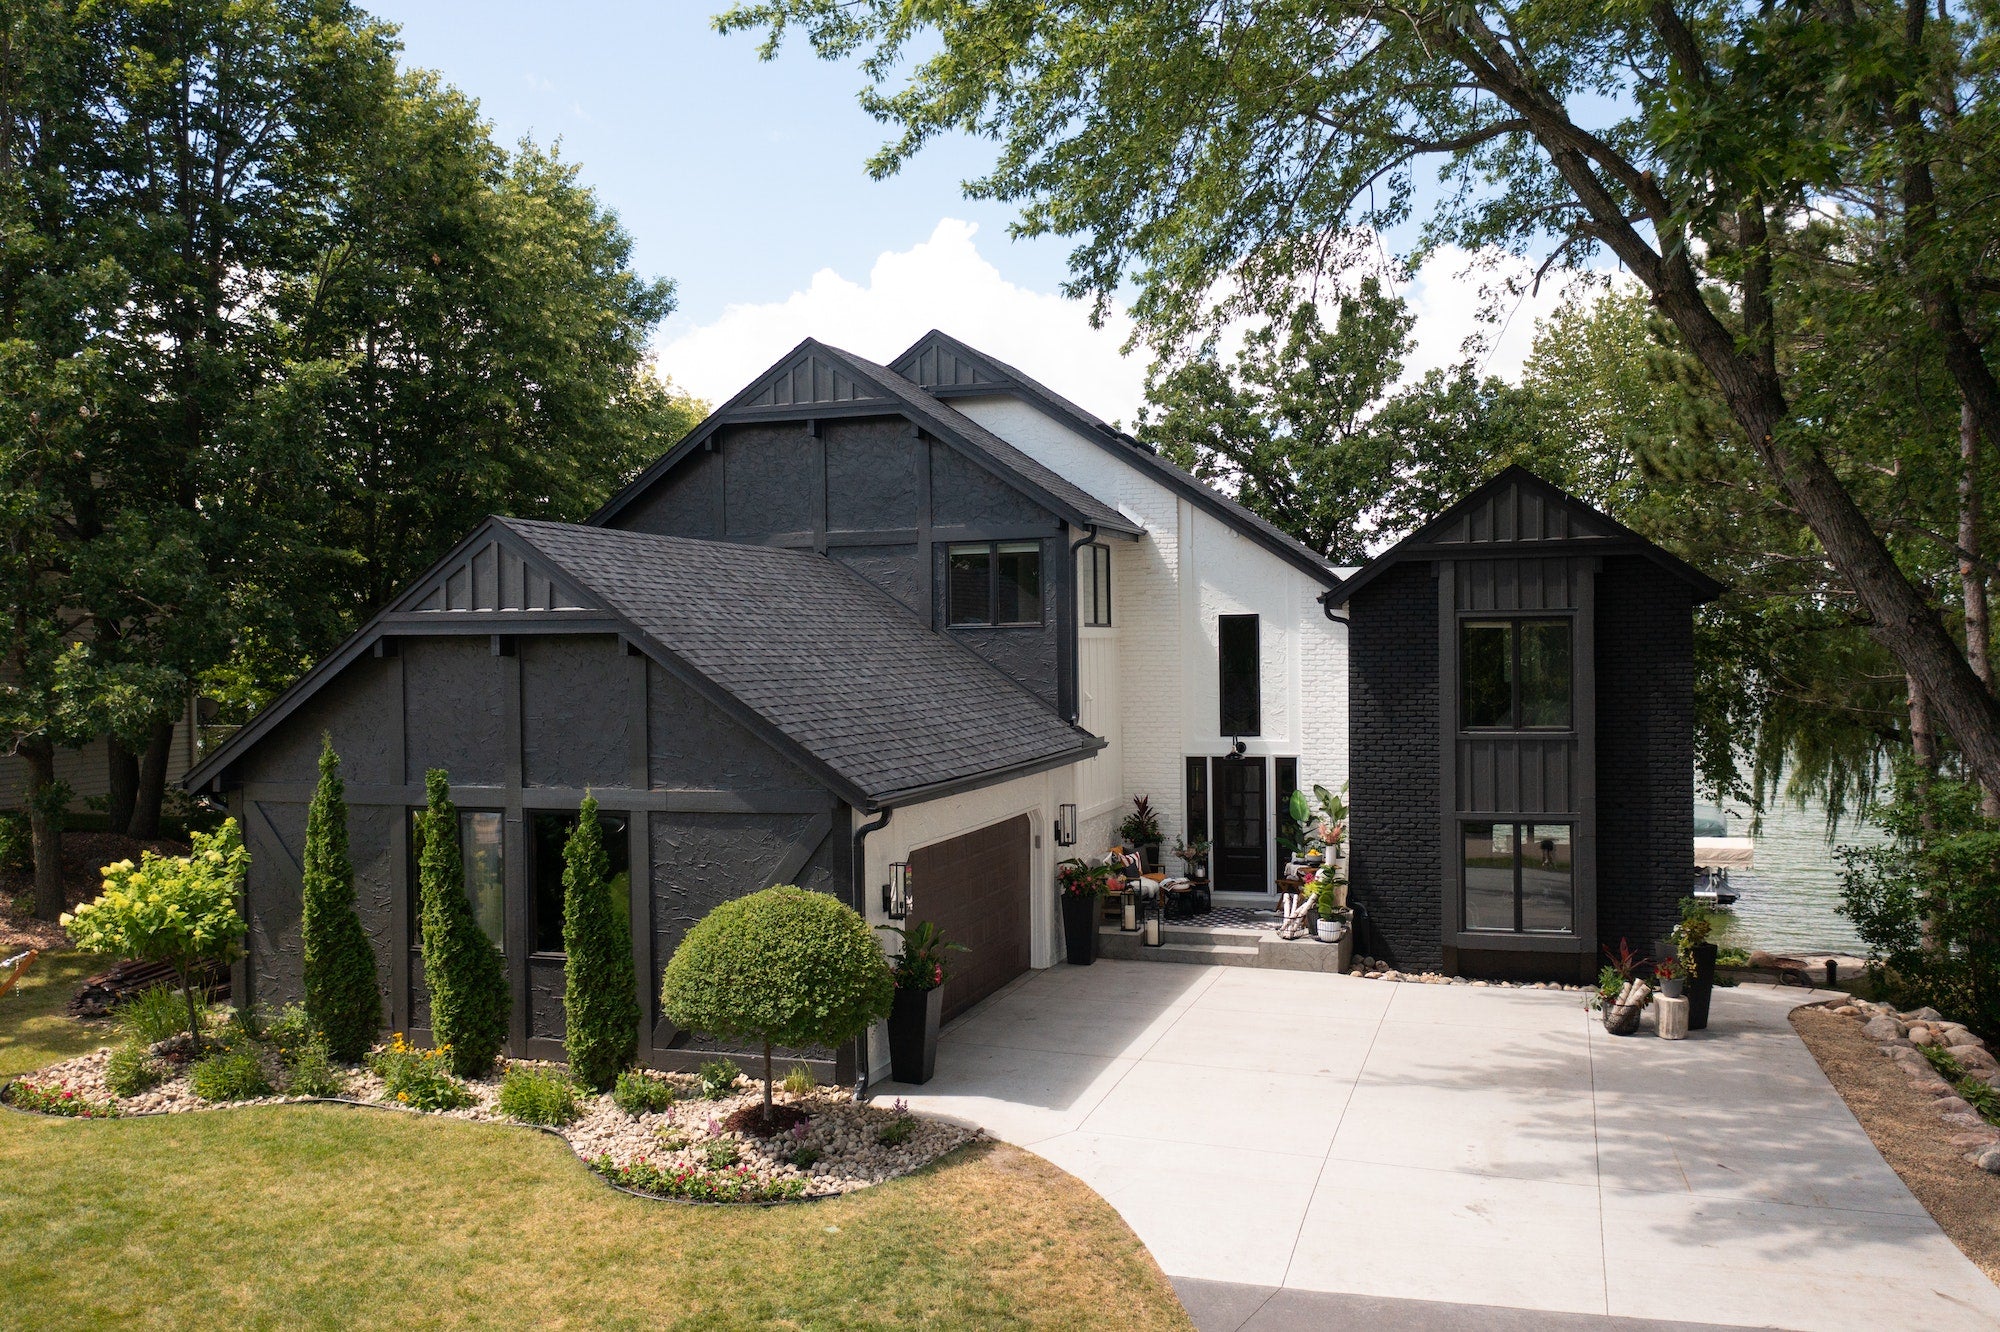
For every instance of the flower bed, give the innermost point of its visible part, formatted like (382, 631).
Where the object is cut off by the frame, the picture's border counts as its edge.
(686, 1149)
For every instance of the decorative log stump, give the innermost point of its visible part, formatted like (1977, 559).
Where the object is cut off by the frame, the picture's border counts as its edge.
(1672, 1018)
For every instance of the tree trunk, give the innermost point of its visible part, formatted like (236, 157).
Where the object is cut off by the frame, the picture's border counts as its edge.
(44, 826)
(152, 782)
(194, 1010)
(1972, 574)
(767, 1082)
(121, 783)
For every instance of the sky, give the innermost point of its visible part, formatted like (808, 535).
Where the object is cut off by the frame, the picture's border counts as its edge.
(745, 182)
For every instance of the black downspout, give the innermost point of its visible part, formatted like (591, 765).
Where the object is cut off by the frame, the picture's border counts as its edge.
(1076, 628)
(861, 904)
(1327, 606)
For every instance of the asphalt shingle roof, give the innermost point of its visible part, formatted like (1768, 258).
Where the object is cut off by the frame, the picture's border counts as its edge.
(826, 658)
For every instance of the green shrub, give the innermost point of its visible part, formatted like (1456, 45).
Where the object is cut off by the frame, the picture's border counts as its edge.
(804, 1158)
(721, 1153)
(339, 963)
(897, 1131)
(290, 1027)
(538, 1096)
(600, 1001)
(180, 910)
(230, 1075)
(1980, 1097)
(718, 1078)
(153, 1015)
(799, 1080)
(133, 1069)
(310, 1069)
(782, 967)
(640, 1093)
(419, 1079)
(17, 847)
(464, 972)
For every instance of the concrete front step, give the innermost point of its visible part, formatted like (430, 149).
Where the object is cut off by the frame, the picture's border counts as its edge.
(1225, 947)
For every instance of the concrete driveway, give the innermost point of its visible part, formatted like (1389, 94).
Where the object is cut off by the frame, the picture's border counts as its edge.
(1274, 1134)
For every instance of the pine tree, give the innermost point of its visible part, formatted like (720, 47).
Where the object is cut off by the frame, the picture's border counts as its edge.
(463, 971)
(342, 999)
(600, 1001)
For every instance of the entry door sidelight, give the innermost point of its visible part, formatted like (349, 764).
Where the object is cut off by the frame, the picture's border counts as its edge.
(1241, 851)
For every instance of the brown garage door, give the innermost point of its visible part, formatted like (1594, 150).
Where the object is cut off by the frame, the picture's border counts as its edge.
(975, 889)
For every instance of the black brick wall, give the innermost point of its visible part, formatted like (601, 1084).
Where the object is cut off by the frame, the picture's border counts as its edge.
(1393, 764)
(1645, 751)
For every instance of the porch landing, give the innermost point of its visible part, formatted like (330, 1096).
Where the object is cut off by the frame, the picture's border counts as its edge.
(1228, 937)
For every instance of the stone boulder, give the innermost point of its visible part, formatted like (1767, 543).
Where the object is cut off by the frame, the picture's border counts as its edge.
(1926, 1015)
(1882, 1028)
(1921, 1035)
(1989, 1160)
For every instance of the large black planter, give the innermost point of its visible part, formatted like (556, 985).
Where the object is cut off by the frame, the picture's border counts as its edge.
(1080, 928)
(913, 1032)
(1701, 987)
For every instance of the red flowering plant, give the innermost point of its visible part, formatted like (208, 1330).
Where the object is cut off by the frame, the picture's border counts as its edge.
(1076, 879)
(920, 966)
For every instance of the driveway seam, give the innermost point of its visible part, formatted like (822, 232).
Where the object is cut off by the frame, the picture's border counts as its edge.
(1285, 1279)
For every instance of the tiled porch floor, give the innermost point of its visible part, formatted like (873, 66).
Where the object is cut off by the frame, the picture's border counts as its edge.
(1477, 1146)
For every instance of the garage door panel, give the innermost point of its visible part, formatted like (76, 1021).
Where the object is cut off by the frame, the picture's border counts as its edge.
(975, 889)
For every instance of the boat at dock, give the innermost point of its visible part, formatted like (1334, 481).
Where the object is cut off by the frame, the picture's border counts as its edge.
(1716, 854)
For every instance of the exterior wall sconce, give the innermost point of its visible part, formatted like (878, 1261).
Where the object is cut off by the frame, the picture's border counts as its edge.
(1236, 747)
(1065, 825)
(896, 898)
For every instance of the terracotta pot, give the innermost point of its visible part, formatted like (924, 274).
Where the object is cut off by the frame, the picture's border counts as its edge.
(914, 1017)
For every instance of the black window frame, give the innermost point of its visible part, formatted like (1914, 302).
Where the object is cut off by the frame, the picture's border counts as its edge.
(1515, 622)
(413, 843)
(1284, 781)
(1093, 594)
(992, 550)
(532, 841)
(1254, 715)
(1196, 793)
(1522, 825)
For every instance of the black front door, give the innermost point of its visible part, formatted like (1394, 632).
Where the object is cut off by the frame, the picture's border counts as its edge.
(1241, 854)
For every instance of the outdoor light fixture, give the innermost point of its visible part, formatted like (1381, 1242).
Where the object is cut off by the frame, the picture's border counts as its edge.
(1130, 925)
(1237, 747)
(1065, 825)
(896, 900)
(1155, 910)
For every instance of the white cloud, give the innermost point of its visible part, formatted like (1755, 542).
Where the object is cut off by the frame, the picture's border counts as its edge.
(944, 282)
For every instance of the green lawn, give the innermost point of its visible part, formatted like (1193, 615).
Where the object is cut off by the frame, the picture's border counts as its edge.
(34, 1030)
(314, 1216)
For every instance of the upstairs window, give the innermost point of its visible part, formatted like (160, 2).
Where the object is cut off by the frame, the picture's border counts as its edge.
(994, 582)
(1238, 659)
(1514, 674)
(1093, 586)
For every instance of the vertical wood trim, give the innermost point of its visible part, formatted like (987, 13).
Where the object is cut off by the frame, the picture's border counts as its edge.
(239, 971)
(1583, 852)
(639, 834)
(926, 570)
(400, 1005)
(818, 487)
(1448, 907)
(638, 752)
(514, 852)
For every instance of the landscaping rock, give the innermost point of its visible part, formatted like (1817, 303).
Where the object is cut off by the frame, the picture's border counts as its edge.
(1848, 1010)
(1974, 1058)
(1921, 1035)
(1989, 1160)
(1883, 1028)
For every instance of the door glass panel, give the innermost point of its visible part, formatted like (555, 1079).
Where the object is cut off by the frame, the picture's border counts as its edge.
(1545, 669)
(1489, 876)
(485, 879)
(1486, 673)
(1548, 903)
(1238, 863)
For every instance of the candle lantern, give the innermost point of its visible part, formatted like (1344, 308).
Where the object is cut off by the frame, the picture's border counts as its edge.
(1154, 908)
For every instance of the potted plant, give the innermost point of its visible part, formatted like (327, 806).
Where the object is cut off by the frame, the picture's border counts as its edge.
(916, 1011)
(1697, 958)
(1140, 831)
(1329, 890)
(1193, 857)
(1080, 886)
(1673, 981)
(1622, 994)
(1332, 830)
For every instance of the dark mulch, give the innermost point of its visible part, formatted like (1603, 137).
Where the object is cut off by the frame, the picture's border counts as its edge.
(750, 1119)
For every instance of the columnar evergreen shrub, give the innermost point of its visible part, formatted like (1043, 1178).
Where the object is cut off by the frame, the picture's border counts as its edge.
(600, 1003)
(342, 1000)
(462, 970)
(784, 967)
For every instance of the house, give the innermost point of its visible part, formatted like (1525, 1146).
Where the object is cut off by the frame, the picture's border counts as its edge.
(1522, 701)
(864, 624)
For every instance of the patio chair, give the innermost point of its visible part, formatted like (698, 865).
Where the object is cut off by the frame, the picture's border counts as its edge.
(17, 966)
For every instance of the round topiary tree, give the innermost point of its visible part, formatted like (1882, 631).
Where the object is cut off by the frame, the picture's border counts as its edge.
(462, 969)
(341, 996)
(783, 967)
(600, 1004)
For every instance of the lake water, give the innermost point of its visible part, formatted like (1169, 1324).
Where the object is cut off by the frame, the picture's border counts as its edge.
(1789, 900)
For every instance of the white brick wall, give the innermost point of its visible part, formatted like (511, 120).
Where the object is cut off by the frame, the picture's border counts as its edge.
(1166, 594)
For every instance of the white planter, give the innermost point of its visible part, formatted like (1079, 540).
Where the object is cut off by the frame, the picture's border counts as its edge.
(1330, 931)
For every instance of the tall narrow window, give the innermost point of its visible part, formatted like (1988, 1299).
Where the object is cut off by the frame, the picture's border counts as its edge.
(1284, 781)
(1518, 878)
(1093, 586)
(1514, 674)
(1238, 658)
(1197, 799)
(994, 583)
(482, 853)
(550, 830)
